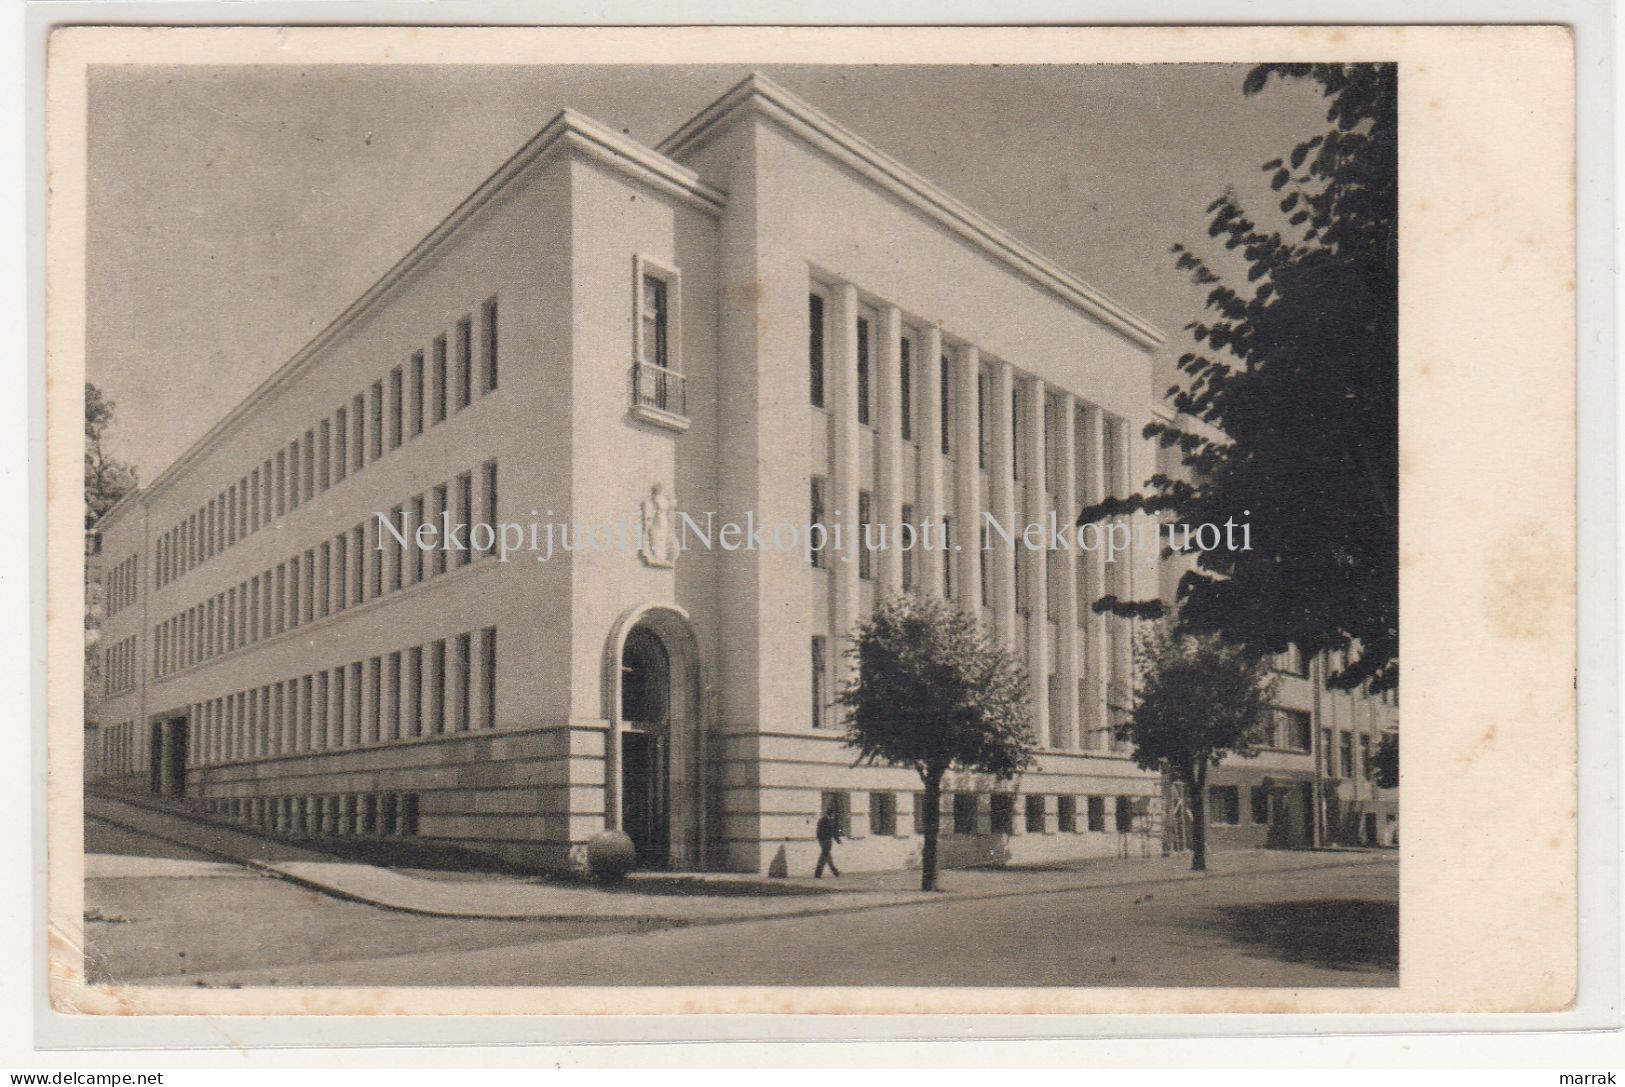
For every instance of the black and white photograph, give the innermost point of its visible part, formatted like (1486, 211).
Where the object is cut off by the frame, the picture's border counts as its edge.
(861, 526)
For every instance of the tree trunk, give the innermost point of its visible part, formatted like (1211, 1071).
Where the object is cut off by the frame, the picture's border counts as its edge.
(933, 810)
(1198, 787)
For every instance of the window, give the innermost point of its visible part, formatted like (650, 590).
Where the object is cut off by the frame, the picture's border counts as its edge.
(324, 597)
(441, 497)
(293, 592)
(866, 567)
(907, 553)
(1002, 809)
(820, 678)
(1097, 813)
(945, 424)
(437, 686)
(281, 483)
(377, 420)
(358, 548)
(653, 319)
(815, 349)
(293, 474)
(414, 691)
(905, 387)
(1224, 805)
(439, 399)
(324, 473)
(1261, 805)
(1291, 729)
(397, 395)
(310, 465)
(982, 568)
(883, 814)
(341, 572)
(1345, 754)
(948, 558)
(964, 813)
(488, 677)
(397, 551)
(1125, 814)
(488, 502)
(1066, 814)
(465, 363)
(841, 804)
(815, 523)
(1365, 755)
(465, 510)
(416, 551)
(1035, 815)
(863, 370)
(358, 417)
(488, 345)
(341, 446)
(1328, 756)
(981, 419)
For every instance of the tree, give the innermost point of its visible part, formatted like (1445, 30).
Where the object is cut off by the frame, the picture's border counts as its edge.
(932, 692)
(107, 479)
(1200, 699)
(1384, 766)
(1288, 409)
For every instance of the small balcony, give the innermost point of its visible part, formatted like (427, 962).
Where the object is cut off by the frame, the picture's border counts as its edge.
(660, 396)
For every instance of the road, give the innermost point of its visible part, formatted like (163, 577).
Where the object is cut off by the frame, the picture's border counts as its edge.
(183, 921)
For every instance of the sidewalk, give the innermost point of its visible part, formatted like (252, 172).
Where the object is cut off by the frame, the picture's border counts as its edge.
(667, 897)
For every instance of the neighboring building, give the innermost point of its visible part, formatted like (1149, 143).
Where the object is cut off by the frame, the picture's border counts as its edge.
(765, 318)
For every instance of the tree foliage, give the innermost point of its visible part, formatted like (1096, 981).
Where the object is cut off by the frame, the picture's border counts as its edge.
(933, 693)
(1384, 766)
(107, 479)
(1288, 405)
(1199, 700)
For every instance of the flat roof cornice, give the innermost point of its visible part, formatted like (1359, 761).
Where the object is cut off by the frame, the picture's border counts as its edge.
(758, 93)
(568, 131)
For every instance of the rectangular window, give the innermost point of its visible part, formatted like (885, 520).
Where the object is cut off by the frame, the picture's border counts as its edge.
(907, 553)
(375, 561)
(321, 738)
(981, 419)
(1066, 814)
(946, 423)
(488, 677)
(1261, 805)
(416, 393)
(309, 599)
(488, 505)
(375, 700)
(983, 570)
(964, 813)
(1015, 433)
(1034, 814)
(324, 471)
(341, 572)
(1345, 755)
(357, 723)
(488, 345)
(1328, 756)
(281, 483)
(341, 443)
(1097, 813)
(397, 394)
(863, 370)
(817, 532)
(254, 609)
(324, 581)
(293, 593)
(309, 474)
(341, 703)
(416, 551)
(358, 547)
(437, 686)
(440, 507)
(293, 474)
(866, 567)
(414, 691)
(358, 417)
(397, 553)
(465, 363)
(376, 420)
(815, 349)
(281, 598)
(392, 697)
(820, 680)
(905, 387)
(948, 558)
(883, 814)
(653, 318)
(1125, 814)
(438, 400)
(1365, 756)
(1224, 805)
(462, 676)
(1002, 809)
(231, 515)
(465, 510)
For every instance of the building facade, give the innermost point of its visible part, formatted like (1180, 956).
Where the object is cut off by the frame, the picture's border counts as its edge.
(765, 321)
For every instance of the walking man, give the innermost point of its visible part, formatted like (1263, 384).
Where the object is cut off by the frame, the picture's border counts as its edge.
(829, 832)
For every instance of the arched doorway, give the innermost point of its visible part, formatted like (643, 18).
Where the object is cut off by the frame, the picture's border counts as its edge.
(655, 780)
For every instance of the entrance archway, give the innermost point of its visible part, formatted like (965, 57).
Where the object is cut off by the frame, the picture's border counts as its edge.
(655, 782)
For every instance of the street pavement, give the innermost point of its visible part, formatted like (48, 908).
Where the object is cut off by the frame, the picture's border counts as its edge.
(160, 912)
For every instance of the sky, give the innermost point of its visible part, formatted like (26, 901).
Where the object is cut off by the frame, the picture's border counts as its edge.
(233, 212)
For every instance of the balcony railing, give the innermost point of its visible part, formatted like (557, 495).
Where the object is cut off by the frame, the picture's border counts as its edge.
(659, 395)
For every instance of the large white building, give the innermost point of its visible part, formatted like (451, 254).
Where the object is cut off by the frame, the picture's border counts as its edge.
(763, 319)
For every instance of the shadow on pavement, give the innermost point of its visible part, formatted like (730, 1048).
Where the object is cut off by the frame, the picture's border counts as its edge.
(1336, 933)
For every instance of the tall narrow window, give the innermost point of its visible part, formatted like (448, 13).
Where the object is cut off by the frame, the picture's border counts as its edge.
(865, 559)
(465, 510)
(293, 474)
(461, 676)
(948, 558)
(863, 370)
(376, 421)
(440, 508)
(1015, 434)
(341, 444)
(375, 561)
(488, 503)
(392, 698)
(358, 548)
(414, 691)
(820, 679)
(816, 528)
(905, 387)
(416, 386)
(375, 700)
(341, 703)
(488, 345)
(437, 686)
(907, 552)
(981, 420)
(815, 349)
(945, 387)
(324, 590)
(465, 363)
(324, 472)
(488, 677)
(341, 572)
(281, 598)
(281, 483)
(416, 551)
(397, 552)
(652, 323)
(358, 417)
(293, 593)
(982, 568)
(438, 400)
(397, 391)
